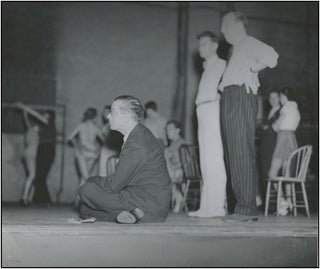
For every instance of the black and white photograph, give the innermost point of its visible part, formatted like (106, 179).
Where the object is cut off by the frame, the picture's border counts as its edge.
(159, 134)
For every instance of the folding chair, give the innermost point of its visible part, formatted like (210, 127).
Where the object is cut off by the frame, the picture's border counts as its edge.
(191, 173)
(294, 172)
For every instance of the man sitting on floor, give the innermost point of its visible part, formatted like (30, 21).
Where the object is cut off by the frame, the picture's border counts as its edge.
(140, 187)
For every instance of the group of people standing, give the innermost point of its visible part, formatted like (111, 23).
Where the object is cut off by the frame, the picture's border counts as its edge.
(146, 180)
(232, 150)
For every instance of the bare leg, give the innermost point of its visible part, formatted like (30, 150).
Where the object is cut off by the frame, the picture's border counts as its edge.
(288, 191)
(84, 173)
(31, 166)
(177, 197)
(276, 165)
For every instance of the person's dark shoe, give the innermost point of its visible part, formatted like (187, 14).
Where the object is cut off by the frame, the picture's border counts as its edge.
(130, 217)
(240, 218)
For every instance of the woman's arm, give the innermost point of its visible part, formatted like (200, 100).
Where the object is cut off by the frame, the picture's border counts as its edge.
(73, 134)
(26, 119)
(100, 135)
(33, 112)
(275, 126)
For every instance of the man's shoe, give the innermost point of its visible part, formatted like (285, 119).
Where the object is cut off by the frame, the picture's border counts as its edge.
(130, 217)
(240, 218)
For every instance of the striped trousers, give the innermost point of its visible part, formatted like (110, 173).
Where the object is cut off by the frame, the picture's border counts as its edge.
(238, 122)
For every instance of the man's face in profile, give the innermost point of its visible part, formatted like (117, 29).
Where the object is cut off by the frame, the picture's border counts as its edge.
(116, 115)
(206, 47)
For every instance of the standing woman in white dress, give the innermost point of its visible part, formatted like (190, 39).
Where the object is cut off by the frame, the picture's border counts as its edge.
(213, 196)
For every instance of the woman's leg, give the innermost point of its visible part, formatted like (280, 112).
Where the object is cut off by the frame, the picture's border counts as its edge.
(177, 197)
(83, 167)
(84, 174)
(276, 165)
(31, 166)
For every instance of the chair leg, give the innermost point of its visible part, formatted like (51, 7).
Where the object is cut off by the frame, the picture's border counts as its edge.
(294, 199)
(305, 198)
(278, 197)
(267, 199)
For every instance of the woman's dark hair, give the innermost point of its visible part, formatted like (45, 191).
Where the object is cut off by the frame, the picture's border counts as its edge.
(89, 114)
(152, 105)
(210, 35)
(273, 91)
(287, 91)
(176, 124)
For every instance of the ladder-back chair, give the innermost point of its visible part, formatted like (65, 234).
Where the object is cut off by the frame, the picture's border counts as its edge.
(111, 164)
(294, 172)
(191, 173)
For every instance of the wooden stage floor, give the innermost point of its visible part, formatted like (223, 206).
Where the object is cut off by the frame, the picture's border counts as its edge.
(41, 237)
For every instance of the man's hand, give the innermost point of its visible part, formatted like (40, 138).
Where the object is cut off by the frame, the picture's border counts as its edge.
(257, 68)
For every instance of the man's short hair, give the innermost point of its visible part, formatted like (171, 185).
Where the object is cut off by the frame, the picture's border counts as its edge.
(152, 105)
(89, 114)
(132, 105)
(273, 91)
(238, 16)
(241, 17)
(209, 34)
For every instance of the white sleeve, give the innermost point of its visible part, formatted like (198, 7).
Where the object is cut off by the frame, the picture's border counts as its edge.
(265, 54)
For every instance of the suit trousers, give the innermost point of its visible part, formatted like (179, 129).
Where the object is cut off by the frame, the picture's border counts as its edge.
(238, 124)
(96, 202)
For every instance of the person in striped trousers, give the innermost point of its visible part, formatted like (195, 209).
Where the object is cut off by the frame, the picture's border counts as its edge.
(239, 106)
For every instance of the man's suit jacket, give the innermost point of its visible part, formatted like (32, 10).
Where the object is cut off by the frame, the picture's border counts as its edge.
(141, 176)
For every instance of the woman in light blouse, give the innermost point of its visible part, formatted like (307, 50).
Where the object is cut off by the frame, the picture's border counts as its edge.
(285, 126)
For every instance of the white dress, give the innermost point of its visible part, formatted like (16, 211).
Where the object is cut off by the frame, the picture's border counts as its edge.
(213, 195)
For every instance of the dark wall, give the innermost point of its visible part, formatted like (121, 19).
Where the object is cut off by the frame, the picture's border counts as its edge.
(28, 58)
(28, 52)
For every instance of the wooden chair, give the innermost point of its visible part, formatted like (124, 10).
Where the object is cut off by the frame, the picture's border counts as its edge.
(191, 173)
(294, 172)
(111, 164)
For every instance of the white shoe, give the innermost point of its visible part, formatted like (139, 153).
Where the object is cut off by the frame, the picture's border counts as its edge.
(258, 201)
(205, 214)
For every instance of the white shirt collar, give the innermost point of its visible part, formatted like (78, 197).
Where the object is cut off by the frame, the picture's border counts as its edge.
(125, 137)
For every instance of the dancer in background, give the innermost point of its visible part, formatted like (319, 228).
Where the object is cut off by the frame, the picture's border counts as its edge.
(174, 166)
(285, 126)
(85, 139)
(45, 158)
(113, 141)
(268, 137)
(213, 195)
(31, 140)
(155, 122)
(239, 107)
